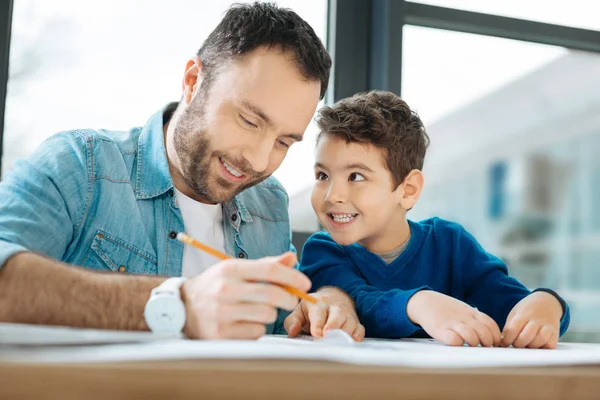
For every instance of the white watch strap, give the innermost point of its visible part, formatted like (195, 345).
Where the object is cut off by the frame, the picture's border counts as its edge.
(171, 285)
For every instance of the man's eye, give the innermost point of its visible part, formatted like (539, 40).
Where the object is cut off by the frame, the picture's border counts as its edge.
(248, 123)
(281, 143)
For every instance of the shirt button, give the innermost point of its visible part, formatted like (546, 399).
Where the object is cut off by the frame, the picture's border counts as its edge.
(241, 255)
(173, 235)
(171, 192)
(100, 236)
(122, 268)
(234, 217)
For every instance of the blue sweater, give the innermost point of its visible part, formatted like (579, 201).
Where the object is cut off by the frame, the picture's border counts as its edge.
(440, 256)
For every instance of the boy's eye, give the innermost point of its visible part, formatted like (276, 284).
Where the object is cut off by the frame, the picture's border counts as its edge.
(354, 177)
(247, 122)
(322, 176)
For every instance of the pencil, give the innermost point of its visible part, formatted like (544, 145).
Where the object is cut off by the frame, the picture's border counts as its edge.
(182, 237)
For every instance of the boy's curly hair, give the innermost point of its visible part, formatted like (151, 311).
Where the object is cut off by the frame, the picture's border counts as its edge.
(384, 120)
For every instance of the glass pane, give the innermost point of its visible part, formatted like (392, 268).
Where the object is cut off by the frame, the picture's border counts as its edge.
(575, 13)
(515, 133)
(111, 64)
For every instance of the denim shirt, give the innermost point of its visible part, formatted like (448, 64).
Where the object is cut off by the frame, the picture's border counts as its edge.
(104, 200)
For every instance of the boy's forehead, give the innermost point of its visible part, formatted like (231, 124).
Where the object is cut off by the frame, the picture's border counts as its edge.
(336, 152)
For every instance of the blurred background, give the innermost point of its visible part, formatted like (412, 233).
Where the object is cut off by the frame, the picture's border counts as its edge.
(509, 91)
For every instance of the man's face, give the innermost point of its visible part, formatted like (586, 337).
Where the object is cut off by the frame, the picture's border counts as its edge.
(235, 130)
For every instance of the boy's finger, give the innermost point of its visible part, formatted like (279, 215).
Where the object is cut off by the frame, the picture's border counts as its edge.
(292, 325)
(492, 327)
(512, 329)
(359, 333)
(451, 338)
(317, 318)
(467, 333)
(552, 342)
(542, 337)
(485, 336)
(335, 319)
(527, 335)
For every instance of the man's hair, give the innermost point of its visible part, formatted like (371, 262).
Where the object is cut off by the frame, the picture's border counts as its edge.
(381, 119)
(245, 27)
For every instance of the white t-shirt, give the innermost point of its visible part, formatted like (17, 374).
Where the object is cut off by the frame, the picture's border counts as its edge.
(203, 222)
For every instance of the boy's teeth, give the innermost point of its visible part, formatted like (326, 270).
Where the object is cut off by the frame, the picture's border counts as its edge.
(343, 218)
(231, 170)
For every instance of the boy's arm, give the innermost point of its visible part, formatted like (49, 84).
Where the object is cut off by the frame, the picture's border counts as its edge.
(488, 285)
(382, 312)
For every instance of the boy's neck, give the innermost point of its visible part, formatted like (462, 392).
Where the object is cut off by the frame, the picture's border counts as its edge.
(394, 236)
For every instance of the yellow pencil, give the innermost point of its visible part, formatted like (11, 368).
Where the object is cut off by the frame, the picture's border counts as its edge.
(182, 237)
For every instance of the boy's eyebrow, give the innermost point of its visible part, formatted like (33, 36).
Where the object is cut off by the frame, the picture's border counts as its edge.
(256, 110)
(347, 166)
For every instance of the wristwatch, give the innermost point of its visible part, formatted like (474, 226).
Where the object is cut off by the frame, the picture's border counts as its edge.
(165, 311)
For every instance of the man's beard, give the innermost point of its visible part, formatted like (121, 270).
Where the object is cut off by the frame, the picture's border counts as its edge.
(195, 155)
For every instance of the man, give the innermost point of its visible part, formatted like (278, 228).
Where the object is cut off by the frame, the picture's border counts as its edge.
(115, 201)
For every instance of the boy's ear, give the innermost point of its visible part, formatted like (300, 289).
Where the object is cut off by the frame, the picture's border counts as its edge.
(410, 189)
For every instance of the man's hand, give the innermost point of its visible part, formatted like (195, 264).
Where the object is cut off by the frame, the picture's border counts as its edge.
(335, 311)
(534, 322)
(452, 321)
(234, 299)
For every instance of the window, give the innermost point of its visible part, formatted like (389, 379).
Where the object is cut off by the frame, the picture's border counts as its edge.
(574, 13)
(515, 128)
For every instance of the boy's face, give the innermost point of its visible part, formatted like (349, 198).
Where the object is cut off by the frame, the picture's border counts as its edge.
(354, 196)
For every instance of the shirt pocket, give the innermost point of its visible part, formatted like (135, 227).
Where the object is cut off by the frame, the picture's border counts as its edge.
(109, 252)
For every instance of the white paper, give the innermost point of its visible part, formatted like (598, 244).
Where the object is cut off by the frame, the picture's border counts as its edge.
(43, 335)
(410, 353)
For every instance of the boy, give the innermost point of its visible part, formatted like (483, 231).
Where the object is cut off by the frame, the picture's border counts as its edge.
(409, 278)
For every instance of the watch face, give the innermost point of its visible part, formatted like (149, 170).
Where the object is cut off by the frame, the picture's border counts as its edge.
(165, 314)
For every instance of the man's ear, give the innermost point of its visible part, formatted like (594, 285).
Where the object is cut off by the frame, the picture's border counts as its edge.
(192, 78)
(409, 190)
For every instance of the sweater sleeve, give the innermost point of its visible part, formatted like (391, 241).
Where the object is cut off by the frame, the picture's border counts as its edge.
(382, 312)
(488, 285)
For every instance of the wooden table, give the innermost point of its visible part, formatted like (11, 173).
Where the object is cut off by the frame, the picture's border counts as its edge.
(306, 380)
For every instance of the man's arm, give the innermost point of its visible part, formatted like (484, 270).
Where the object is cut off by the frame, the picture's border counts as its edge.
(38, 290)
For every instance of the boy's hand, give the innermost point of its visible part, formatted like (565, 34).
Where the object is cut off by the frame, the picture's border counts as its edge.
(534, 322)
(336, 311)
(452, 321)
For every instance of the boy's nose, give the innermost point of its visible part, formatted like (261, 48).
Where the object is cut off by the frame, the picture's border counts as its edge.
(336, 194)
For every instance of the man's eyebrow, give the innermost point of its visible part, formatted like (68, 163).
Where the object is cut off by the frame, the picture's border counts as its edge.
(295, 136)
(256, 110)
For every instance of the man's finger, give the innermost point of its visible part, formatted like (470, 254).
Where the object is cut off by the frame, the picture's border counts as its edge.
(527, 335)
(267, 269)
(241, 330)
(259, 292)
(512, 329)
(247, 312)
